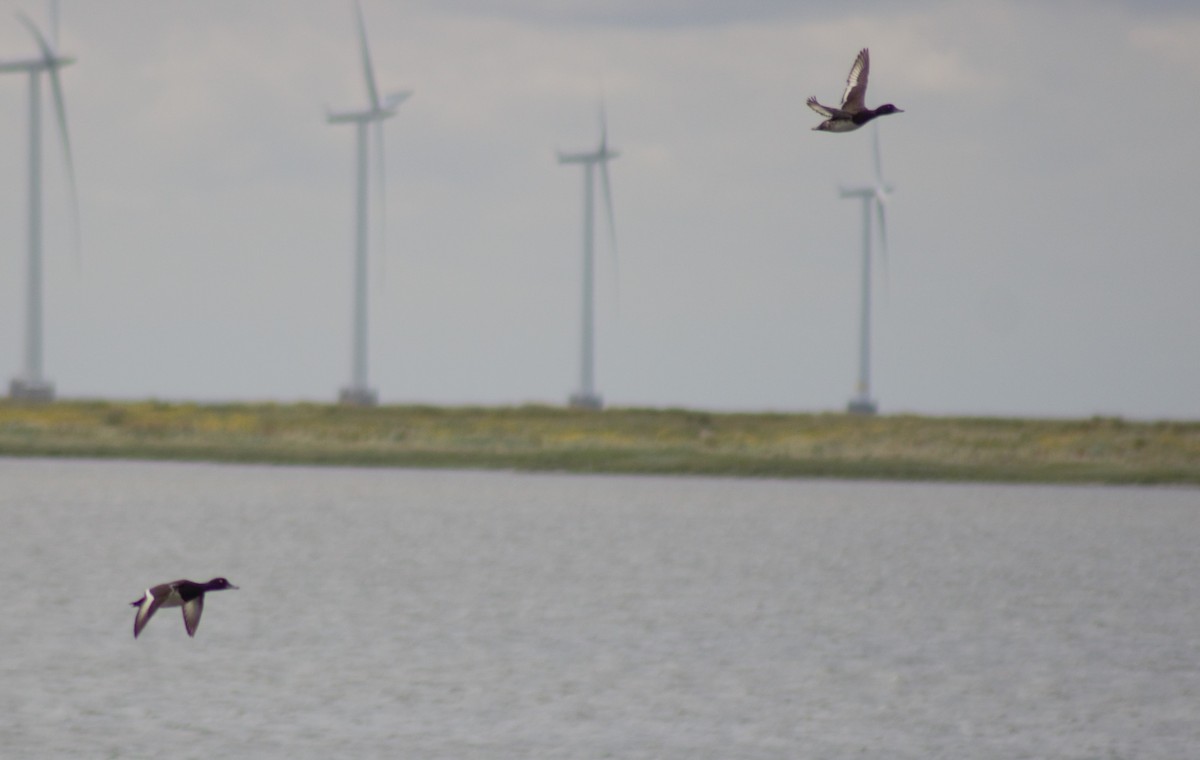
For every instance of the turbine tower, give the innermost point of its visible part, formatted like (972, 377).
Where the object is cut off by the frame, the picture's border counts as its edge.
(357, 393)
(586, 397)
(873, 197)
(31, 384)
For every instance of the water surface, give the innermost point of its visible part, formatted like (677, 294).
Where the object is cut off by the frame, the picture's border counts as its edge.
(442, 614)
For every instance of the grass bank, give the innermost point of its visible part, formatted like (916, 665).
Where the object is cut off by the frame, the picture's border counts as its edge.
(1098, 450)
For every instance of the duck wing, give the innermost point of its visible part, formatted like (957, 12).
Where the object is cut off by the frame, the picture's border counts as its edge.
(191, 614)
(855, 97)
(147, 605)
(826, 111)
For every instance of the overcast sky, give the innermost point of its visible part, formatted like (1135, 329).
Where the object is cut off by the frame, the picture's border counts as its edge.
(1044, 232)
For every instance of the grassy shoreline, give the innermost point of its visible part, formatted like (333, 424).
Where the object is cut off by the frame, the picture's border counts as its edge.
(658, 441)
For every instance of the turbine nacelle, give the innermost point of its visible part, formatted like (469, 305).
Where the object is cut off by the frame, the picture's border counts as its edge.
(604, 154)
(386, 110)
(50, 59)
(353, 117)
(36, 64)
(395, 99)
(857, 192)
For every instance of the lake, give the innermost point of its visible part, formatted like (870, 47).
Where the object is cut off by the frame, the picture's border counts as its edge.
(496, 615)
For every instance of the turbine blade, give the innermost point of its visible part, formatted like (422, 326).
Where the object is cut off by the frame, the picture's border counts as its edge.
(395, 99)
(368, 71)
(603, 126)
(881, 218)
(606, 188)
(878, 160)
(47, 51)
(608, 204)
(381, 181)
(60, 109)
(54, 23)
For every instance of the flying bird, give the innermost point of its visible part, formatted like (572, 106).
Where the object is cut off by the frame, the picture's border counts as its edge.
(182, 593)
(854, 112)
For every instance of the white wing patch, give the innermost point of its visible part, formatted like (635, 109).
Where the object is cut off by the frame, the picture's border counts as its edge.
(858, 72)
(145, 610)
(823, 110)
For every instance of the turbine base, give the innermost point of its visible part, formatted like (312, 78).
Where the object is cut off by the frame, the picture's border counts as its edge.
(586, 401)
(862, 406)
(32, 391)
(358, 397)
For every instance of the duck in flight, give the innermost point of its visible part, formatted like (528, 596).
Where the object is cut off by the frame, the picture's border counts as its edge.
(854, 112)
(183, 593)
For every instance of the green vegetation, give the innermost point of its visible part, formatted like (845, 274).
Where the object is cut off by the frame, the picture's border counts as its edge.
(1098, 450)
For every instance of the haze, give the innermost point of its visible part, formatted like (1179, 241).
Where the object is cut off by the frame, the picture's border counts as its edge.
(1044, 233)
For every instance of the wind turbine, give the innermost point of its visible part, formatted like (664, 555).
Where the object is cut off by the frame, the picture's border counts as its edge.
(586, 397)
(31, 384)
(874, 198)
(357, 393)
